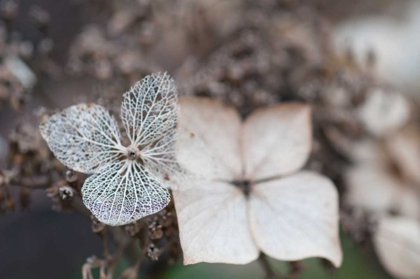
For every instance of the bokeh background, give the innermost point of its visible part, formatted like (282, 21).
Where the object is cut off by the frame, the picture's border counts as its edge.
(41, 243)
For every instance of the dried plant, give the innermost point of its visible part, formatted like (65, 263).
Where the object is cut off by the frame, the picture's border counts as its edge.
(248, 195)
(128, 182)
(277, 139)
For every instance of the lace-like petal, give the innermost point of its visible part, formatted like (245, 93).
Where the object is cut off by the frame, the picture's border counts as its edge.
(149, 109)
(83, 137)
(123, 193)
(160, 160)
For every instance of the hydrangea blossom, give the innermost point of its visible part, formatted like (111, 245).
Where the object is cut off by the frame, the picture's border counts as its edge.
(247, 193)
(127, 182)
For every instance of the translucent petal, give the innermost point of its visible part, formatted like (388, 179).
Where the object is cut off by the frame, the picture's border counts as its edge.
(296, 217)
(123, 193)
(397, 243)
(149, 110)
(83, 137)
(213, 224)
(276, 141)
(159, 159)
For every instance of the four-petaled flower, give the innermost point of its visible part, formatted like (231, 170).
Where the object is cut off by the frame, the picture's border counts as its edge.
(247, 195)
(128, 182)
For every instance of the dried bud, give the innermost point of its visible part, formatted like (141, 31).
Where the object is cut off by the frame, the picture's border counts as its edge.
(133, 228)
(153, 252)
(66, 193)
(156, 232)
(97, 226)
(71, 176)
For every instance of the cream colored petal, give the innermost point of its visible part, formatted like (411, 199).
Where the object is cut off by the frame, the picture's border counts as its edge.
(371, 188)
(296, 217)
(277, 140)
(374, 189)
(397, 243)
(210, 147)
(213, 224)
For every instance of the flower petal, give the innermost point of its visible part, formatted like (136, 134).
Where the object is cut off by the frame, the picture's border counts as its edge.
(83, 137)
(374, 189)
(296, 217)
(277, 140)
(213, 224)
(397, 243)
(211, 147)
(123, 193)
(149, 110)
(160, 159)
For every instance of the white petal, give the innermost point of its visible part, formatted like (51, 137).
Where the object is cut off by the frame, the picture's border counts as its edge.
(397, 243)
(383, 112)
(277, 140)
(371, 188)
(374, 189)
(211, 147)
(84, 137)
(149, 110)
(296, 217)
(123, 193)
(213, 224)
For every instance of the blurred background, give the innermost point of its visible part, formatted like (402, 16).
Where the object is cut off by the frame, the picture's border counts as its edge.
(356, 61)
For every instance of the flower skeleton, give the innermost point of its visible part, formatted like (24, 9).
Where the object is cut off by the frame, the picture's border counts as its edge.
(127, 182)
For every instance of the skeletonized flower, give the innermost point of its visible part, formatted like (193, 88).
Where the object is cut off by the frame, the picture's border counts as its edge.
(128, 182)
(247, 194)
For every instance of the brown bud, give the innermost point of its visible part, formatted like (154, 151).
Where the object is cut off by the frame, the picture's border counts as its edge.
(153, 252)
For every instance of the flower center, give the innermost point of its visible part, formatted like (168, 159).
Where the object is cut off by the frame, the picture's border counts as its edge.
(244, 185)
(132, 153)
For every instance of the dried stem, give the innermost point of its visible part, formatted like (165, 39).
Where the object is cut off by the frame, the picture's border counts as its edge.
(269, 272)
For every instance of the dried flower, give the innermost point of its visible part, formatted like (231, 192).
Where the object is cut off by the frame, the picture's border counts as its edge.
(384, 183)
(128, 182)
(246, 194)
(397, 243)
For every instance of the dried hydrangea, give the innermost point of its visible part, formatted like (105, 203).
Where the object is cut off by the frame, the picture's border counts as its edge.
(129, 181)
(247, 193)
